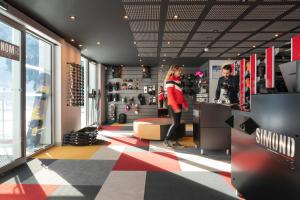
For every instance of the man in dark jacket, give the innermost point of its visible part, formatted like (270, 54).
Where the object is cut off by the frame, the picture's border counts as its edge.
(229, 83)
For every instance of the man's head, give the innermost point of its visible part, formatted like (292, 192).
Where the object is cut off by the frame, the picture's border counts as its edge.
(226, 71)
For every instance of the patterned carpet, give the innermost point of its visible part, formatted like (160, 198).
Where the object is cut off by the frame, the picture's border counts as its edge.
(121, 168)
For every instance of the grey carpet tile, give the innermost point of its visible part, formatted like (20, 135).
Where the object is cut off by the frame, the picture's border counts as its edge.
(76, 192)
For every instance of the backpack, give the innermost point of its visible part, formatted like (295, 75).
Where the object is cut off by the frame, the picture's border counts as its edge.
(122, 118)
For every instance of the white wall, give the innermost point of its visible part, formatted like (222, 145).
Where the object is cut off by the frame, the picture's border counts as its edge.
(67, 118)
(213, 81)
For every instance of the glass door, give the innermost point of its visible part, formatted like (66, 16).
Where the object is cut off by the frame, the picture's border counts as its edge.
(38, 93)
(10, 94)
(93, 87)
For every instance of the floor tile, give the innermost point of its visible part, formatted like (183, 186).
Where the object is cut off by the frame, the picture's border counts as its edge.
(123, 186)
(69, 152)
(178, 186)
(111, 152)
(147, 161)
(73, 172)
(76, 192)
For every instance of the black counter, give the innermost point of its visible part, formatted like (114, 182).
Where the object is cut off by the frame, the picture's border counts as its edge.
(210, 130)
(265, 148)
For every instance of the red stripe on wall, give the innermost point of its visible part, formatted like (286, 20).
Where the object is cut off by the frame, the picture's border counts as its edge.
(242, 82)
(253, 73)
(295, 48)
(270, 67)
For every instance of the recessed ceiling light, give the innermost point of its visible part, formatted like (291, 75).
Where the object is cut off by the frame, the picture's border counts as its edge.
(175, 16)
(276, 35)
(134, 42)
(140, 60)
(125, 16)
(165, 54)
(80, 45)
(98, 43)
(238, 54)
(139, 55)
(72, 17)
(253, 46)
(205, 49)
(169, 42)
(215, 31)
(142, 65)
(3, 6)
(72, 40)
(164, 60)
(182, 65)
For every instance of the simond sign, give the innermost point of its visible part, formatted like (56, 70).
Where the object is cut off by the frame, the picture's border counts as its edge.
(279, 143)
(10, 51)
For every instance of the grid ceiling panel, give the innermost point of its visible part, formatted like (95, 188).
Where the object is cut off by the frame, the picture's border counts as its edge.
(248, 26)
(142, 26)
(262, 36)
(293, 15)
(172, 26)
(238, 50)
(198, 44)
(224, 44)
(217, 50)
(207, 54)
(287, 36)
(268, 11)
(274, 43)
(140, 1)
(284, 26)
(249, 44)
(171, 55)
(258, 50)
(189, 54)
(226, 11)
(211, 26)
(193, 50)
(145, 12)
(148, 54)
(234, 36)
(175, 36)
(170, 50)
(145, 36)
(185, 11)
(172, 44)
(205, 36)
(187, 0)
(147, 44)
(228, 55)
(147, 50)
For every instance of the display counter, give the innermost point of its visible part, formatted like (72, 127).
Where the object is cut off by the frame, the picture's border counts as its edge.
(210, 131)
(265, 148)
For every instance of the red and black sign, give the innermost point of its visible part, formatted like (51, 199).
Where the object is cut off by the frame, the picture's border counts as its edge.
(242, 82)
(10, 51)
(270, 67)
(253, 67)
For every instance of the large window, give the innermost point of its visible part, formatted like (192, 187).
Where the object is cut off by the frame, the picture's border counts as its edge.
(93, 86)
(10, 98)
(38, 93)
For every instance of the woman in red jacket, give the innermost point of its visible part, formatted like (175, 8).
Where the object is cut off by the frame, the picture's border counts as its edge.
(176, 101)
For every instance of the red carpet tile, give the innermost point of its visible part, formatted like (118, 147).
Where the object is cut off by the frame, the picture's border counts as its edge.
(128, 141)
(112, 128)
(25, 191)
(147, 161)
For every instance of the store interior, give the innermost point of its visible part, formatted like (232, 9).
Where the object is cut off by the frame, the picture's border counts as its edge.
(88, 108)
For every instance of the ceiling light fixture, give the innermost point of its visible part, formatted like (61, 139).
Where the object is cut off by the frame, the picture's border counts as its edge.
(72, 17)
(238, 54)
(98, 43)
(205, 49)
(164, 60)
(126, 17)
(253, 46)
(134, 42)
(175, 16)
(165, 55)
(80, 45)
(169, 42)
(140, 60)
(276, 35)
(72, 40)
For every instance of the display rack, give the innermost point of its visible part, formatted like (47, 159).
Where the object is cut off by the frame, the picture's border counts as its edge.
(75, 85)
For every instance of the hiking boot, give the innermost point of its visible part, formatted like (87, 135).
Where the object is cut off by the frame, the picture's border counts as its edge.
(177, 144)
(168, 143)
